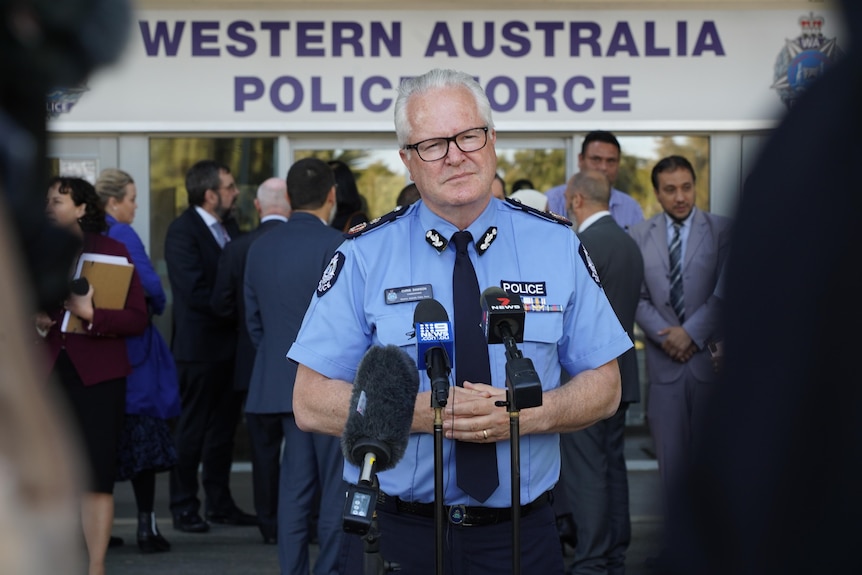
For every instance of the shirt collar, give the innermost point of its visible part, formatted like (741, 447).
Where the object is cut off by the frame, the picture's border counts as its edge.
(669, 221)
(272, 217)
(207, 217)
(592, 219)
(429, 220)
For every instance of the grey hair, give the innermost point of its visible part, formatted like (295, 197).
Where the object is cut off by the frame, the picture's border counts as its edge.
(435, 80)
(592, 184)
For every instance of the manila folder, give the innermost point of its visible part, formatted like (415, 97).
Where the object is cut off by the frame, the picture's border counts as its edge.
(110, 277)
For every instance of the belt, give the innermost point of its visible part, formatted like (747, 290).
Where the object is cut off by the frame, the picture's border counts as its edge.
(463, 515)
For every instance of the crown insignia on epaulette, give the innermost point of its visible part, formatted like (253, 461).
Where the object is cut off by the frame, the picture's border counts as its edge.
(365, 227)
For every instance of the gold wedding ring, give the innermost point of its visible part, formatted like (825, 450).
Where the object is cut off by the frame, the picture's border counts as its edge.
(485, 433)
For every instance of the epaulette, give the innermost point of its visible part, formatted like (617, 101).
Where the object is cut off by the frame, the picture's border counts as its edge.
(366, 227)
(549, 216)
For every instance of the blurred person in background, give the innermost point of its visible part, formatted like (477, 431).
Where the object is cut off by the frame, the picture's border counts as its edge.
(91, 367)
(228, 300)
(204, 348)
(152, 394)
(601, 151)
(350, 207)
(522, 184)
(498, 187)
(774, 486)
(407, 195)
(44, 46)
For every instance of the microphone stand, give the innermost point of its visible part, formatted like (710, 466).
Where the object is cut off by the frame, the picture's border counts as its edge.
(373, 562)
(439, 397)
(523, 389)
(360, 514)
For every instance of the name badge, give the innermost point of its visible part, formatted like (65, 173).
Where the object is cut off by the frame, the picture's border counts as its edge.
(408, 293)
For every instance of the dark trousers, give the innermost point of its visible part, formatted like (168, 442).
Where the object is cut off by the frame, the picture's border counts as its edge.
(676, 411)
(266, 437)
(595, 481)
(410, 541)
(311, 473)
(204, 435)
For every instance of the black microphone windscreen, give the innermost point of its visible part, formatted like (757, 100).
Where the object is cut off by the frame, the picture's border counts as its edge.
(501, 309)
(494, 292)
(381, 406)
(429, 310)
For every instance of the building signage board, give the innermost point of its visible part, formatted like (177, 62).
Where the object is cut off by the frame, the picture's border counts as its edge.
(544, 70)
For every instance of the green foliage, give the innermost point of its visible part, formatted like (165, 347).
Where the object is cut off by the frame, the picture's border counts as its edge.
(633, 179)
(545, 168)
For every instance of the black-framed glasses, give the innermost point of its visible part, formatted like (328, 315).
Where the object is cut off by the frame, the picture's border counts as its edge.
(434, 149)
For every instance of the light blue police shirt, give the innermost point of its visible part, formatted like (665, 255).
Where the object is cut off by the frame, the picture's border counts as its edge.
(529, 254)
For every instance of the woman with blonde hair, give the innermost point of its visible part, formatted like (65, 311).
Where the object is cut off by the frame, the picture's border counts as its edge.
(152, 393)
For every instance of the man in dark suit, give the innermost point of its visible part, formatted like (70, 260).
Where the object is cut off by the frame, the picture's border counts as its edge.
(204, 346)
(593, 459)
(282, 273)
(273, 209)
(679, 325)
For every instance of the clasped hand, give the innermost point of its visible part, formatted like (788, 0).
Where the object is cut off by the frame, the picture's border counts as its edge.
(677, 343)
(472, 414)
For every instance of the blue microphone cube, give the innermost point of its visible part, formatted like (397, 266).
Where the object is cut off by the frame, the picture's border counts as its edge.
(433, 334)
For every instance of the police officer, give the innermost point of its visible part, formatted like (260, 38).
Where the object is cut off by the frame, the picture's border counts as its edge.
(444, 126)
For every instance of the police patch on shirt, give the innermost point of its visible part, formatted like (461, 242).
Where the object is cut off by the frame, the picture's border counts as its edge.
(524, 288)
(330, 274)
(591, 267)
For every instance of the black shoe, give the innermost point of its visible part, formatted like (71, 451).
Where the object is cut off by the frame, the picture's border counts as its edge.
(268, 532)
(235, 516)
(190, 522)
(115, 542)
(149, 538)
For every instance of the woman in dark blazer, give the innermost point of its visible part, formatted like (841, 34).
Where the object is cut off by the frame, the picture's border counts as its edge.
(91, 367)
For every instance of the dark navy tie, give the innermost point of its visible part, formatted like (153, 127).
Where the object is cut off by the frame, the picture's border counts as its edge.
(677, 301)
(476, 463)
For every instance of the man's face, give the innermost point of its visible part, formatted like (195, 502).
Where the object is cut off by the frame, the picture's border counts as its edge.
(226, 195)
(603, 157)
(458, 186)
(676, 192)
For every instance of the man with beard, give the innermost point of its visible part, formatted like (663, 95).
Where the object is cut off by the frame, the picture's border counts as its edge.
(204, 345)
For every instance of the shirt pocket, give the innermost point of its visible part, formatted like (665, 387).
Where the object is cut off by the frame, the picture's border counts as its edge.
(397, 329)
(542, 334)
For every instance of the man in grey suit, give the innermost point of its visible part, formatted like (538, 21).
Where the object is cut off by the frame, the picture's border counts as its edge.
(282, 272)
(227, 301)
(680, 371)
(593, 459)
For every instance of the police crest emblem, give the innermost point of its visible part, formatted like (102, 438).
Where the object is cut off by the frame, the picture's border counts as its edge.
(803, 59)
(61, 100)
(330, 274)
